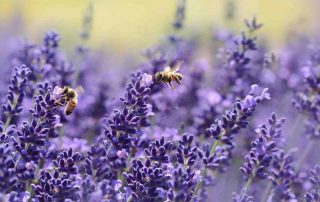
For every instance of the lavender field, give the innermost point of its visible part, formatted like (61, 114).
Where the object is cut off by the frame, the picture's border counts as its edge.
(236, 119)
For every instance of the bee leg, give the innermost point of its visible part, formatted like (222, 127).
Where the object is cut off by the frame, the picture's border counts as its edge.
(171, 85)
(174, 78)
(177, 80)
(58, 103)
(165, 83)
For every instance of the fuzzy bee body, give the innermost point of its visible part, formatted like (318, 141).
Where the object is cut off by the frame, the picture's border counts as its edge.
(68, 98)
(70, 106)
(168, 75)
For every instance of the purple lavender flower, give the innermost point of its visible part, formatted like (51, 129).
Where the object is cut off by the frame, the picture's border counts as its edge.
(124, 125)
(180, 15)
(223, 130)
(186, 176)
(265, 153)
(282, 175)
(55, 187)
(17, 196)
(45, 61)
(15, 96)
(96, 163)
(239, 62)
(263, 149)
(8, 177)
(307, 99)
(66, 161)
(118, 150)
(241, 197)
(148, 180)
(313, 194)
(253, 25)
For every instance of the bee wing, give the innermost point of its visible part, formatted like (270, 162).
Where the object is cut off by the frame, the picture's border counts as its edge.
(167, 69)
(79, 89)
(57, 92)
(177, 66)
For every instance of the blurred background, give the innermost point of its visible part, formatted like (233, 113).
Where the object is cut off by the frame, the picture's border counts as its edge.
(125, 25)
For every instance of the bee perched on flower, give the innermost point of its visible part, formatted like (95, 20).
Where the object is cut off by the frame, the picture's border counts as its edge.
(169, 74)
(67, 97)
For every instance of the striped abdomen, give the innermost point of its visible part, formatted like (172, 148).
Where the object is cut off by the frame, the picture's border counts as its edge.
(70, 106)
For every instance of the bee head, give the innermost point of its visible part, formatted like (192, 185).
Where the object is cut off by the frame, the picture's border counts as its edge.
(65, 90)
(71, 94)
(158, 76)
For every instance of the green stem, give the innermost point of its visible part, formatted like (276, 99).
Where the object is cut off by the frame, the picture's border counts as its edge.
(266, 193)
(129, 199)
(250, 180)
(184, 165)
(121, 177)
(305, 154)
(28, 187)
(36, 174)
(199, 184)
(214, 147)
(60, 135)
(204, 170)
(82, 42)
(6, 125)
(8, 121)
(126, 169)
(76, 73)
(17, 162)
(296, 124)
(295, 127)
(118, 134)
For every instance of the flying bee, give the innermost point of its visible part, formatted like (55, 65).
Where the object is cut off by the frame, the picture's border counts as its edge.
(168, 75)
(67, 97)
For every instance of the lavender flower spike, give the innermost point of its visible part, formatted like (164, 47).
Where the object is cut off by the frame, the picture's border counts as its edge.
(223, 130)
(16, 94)
(313, 195)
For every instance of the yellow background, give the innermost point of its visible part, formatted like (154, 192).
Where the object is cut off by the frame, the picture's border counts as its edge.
(123, 25)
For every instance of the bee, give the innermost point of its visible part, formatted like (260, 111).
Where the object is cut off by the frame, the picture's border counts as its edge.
(168, 75)
(67, 97)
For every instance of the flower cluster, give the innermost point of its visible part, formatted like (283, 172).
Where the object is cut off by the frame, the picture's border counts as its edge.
(224, 129)
(53, 187)
(15, 94)
(263, 148)
(267, 160)
(306, 100)
(66, 160)
(130, 138)
(186, 176)
(149, 180)
(282, 175)
(45, 61)
(313, 194)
